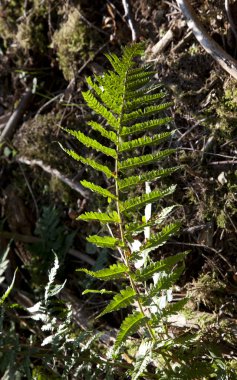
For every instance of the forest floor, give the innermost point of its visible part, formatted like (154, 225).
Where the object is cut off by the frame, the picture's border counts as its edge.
(46, 51)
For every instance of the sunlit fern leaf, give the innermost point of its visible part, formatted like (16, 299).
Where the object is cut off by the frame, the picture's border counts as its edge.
(143, 100)
(108, 134)
(146, 112)
(143, 141)
(160, 238)
(104, 241)
(101, 217)
(116, 271)
(143, 358)
(137, 202)
(91, 143)
(94, 104)
(144, 160)
(98, 189)
(119, 301)
(145, 126)
(159, 266)
(130, 325)
(126, 183)
(165, 283)
(131, 95)
(88, 161)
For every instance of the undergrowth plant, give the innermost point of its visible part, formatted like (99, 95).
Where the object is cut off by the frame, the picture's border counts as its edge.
(129, 103)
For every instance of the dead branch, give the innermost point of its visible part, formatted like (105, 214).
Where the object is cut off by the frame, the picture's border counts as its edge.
(228, 63)
(128, 17)
(54, 172)
(230, 18)
(161, 44)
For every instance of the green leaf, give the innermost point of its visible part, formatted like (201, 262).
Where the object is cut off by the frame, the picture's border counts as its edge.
(96, 106)
(114, 272)
(143, 141)
(147, 111)
(108, 134)
(88, 161)
(104, 241)
(120, 300)
(109, 101)
(126, 183)
(130, 325)
(132, 95)
(145, 126)
(101, 217)
(98, 189)
(143, 358)
(138, 202)
(91, 143)
(144, 160)
(157, 240)
(9, 289)
(160, 266)
(143, 100)
(101, 291)
(166, 282)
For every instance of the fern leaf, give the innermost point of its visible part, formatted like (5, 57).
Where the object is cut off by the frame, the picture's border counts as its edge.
(120, 300)
(126, 183)
(115, 63)
(136, 228)
(9, 289)
(145, 126)
(98, 189)
(136, 84)
(159, 239)
(91, 143)
(88, 161)
(143, 141)
(132, 95)
(100, 217)
(108, 134)
(109, 101)
(138, 202)
(96, 106)
(141, 101)
(104, 241)
(143, 357)
(130, 325)
(144, 160)
(141, 113)
(135, 75)
(166, 282)
(160, 266)
(101, 291)
(116, 271)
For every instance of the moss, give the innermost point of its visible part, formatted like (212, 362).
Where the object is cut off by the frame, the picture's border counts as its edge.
(73, 42)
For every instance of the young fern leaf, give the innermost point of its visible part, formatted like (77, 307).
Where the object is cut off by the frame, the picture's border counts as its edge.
(124, 299)
(128, 103)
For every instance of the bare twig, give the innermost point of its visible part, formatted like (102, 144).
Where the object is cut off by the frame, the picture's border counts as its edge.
(162, 44)
(183, 42)
(16, 116)
(54, 172)
(228, 63)
(128, 17)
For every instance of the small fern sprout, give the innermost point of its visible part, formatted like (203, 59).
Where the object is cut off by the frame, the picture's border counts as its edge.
(131, 107)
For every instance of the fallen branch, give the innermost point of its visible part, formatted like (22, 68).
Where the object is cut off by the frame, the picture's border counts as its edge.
(228, 63)
(128, 17)
(161, 44)
(54, 172)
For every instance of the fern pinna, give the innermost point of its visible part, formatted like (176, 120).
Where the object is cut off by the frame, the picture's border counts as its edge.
(128, 103)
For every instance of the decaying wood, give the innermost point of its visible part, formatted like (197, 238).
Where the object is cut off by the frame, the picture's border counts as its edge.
(128, 17)
(54, 172)
(228, 63)
(161, 44)
(15, 118)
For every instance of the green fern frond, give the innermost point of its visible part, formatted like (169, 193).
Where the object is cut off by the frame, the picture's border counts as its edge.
(126, 183)
(91, 143)
(101, 217)
(143, 358)
(88, 161)
(159, 239)
(143, 141)
(130, 325)
(109, 101)
(120, 300)
(101, 291)
(131, 95)
(116, 271)
(95, 105)
(108, 134)
(141, 101)
(145, 126)
(137, 202)
(166, 282)
(104, 241)
(144, 160)
(160, 266)
(98, 189)
(146, 112)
